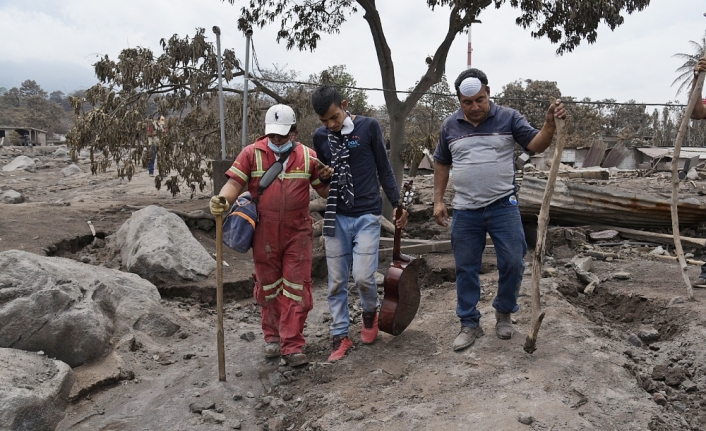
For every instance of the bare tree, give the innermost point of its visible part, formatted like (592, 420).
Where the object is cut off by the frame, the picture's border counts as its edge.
(566, 22)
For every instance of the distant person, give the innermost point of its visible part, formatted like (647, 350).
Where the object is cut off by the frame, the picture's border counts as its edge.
(354, 151)
(479, 142)
(154, 128)
(700, 114)
(283, 242)
(26, 142)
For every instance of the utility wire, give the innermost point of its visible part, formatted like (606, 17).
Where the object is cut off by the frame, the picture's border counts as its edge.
(431, 93)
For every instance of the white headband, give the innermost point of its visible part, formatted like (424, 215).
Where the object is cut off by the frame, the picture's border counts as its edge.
(470, 86)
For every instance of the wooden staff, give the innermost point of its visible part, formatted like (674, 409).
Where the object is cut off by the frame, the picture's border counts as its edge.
(694, 97)
(219, 298)
(543, 221)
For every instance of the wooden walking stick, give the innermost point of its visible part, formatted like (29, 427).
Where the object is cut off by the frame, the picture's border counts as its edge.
(219, 297)
(694, 97)
(543, 221)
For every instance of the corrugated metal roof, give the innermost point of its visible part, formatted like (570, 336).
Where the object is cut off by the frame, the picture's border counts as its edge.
(582, 204)
(685, 152)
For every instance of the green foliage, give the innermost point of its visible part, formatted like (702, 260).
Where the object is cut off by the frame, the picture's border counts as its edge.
(28, 106)
(337, 75)
(522, 97)
(566, 22)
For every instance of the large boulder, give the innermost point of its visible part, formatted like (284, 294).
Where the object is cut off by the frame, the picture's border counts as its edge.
(12, 197)
(158, 245)
(72, 311)
(34, 390)
(21, 162)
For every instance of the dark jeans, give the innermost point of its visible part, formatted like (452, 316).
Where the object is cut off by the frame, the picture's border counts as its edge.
(153, 157)
(501, 219)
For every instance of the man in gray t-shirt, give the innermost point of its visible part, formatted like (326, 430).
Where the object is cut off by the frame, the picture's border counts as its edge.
(479, 141)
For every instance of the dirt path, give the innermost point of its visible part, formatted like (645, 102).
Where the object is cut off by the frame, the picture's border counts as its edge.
(588, 372)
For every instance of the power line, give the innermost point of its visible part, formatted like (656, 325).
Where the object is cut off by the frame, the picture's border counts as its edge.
(431, 93)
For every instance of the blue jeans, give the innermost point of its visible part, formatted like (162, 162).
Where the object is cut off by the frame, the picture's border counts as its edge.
(356, 242)
(501, 219)
(153, 157)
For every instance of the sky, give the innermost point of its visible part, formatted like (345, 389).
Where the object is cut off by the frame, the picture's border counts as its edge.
(56, 42)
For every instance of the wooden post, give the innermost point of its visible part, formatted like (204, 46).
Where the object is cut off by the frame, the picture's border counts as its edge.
(543, 221)
(219, 298)
(694, 97)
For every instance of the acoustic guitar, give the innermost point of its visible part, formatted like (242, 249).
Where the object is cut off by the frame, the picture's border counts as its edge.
(402, 294)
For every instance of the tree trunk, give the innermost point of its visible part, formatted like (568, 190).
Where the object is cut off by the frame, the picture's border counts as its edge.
(414, 166)
(397, 123)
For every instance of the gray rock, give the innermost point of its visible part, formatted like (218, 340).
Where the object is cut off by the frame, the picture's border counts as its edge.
(689, 386)
(659, 398)
(357, 415)
(12, 197)
(277, 379)
(209, 416)
(590, 288)
(582, 263)
(379, 278)
(658, 251)
(21, 162)
(34, 390)
(659, 372)
(549, 272)
(525, 418)
(158, 245)
(72, 169)
(675, 376)
(202, 404)
(634, 340)
(61, 153)
(248, 336)
(73, 311)
(648, 334)
(622, 276)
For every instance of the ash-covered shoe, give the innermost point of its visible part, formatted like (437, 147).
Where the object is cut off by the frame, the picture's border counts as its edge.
(370, 327)
(341, 346)
(272, 350)
(503, 325)
(296, 359)
(466, 337)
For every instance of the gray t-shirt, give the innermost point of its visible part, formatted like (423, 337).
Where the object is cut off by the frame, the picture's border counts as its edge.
(483, 157)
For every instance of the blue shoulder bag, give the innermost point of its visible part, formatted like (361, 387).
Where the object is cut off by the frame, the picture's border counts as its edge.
(241, 221)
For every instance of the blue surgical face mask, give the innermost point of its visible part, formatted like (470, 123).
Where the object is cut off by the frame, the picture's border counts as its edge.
(281, 149)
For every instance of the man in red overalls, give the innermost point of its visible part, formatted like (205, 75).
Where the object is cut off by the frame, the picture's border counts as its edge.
(283, 239)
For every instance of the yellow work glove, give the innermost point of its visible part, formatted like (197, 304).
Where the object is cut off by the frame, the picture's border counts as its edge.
(218, 205)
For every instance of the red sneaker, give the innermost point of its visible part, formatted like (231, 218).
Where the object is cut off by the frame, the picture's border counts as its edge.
(370, 327)
(341, 346)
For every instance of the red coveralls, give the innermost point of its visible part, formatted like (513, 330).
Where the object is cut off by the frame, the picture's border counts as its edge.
(283, 240)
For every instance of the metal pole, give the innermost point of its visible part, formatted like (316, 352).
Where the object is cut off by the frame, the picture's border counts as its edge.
(220, 92)
(248, 35)
(470, 46)
(470, 49)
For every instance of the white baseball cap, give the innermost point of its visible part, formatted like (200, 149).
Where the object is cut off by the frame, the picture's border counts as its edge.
(279, 120)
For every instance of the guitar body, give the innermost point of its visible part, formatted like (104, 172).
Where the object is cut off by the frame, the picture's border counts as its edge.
(402, 294)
